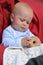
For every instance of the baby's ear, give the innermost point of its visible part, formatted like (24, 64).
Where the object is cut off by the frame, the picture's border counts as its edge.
(11, 17)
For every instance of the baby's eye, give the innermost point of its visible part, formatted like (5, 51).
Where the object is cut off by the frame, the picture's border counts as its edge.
(22, 20)
(27, 22)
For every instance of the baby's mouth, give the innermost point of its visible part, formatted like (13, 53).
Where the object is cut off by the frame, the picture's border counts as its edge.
(23, 28)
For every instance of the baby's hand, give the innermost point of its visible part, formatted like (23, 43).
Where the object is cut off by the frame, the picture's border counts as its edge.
(31, 41)
(25, 41)
(35, 41)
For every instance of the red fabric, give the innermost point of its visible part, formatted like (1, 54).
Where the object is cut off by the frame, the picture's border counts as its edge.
(2, 48)
(5, 9)
(38, 9)
(2, 1)
(1, 22)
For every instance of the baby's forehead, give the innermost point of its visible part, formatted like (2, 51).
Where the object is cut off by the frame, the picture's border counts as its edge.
(23, 10)
(21, 7)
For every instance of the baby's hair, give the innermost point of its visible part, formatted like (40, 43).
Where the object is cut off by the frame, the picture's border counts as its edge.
(19, 6)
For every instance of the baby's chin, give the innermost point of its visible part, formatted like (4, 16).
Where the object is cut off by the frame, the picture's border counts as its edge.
(22, 30)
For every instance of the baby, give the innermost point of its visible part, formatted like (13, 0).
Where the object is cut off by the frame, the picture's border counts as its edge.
(18, 33)
(20, 41)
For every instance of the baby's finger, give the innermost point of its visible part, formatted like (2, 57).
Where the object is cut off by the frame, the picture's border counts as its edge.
(28, 38)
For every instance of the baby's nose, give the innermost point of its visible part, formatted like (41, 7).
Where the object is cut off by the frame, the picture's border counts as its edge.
(24, 23)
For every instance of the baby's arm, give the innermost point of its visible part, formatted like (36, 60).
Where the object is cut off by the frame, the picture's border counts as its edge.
(9, 40)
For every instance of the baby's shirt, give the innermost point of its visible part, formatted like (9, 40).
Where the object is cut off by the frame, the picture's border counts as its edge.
(12, 37)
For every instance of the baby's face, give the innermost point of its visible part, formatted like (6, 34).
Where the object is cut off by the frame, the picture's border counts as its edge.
(22, 19)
